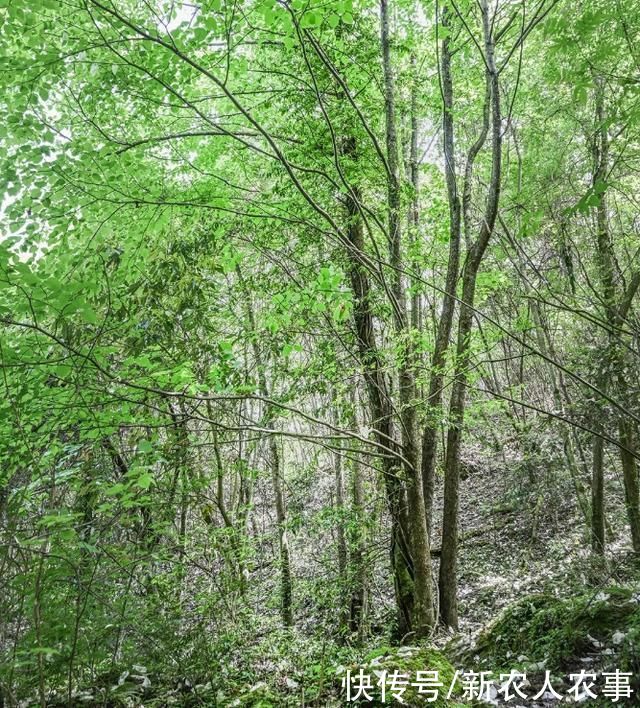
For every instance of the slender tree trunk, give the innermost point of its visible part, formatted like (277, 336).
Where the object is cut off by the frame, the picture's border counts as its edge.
(286, 582)
(235, 523)
(445, 323)
(414, 208)
(630, 479)
(422, 614)
(607, 279)
(378, 392)
(342, 541)
(597, 497)
(342, 557)
(447, 581)
(616, 304)
(358, 607)
(359, 592)
(449, 558)
(380, 410)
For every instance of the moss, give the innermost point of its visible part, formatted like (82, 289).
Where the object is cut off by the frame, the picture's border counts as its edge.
(378, 652)
(558, 632)
(409, 660)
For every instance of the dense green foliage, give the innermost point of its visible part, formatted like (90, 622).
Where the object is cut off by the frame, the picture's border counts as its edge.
(289, 292)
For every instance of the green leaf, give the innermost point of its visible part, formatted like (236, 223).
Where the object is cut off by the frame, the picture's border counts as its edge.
(145, 480)
(145, 446)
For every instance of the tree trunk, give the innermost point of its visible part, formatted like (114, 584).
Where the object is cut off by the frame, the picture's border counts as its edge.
(449, 557)
(286, 583)
(343, 581)
(380, 413)
(597, 497)
(359, 587)
(630, 479)
(422, 613)
(358, 569)
(445, 323)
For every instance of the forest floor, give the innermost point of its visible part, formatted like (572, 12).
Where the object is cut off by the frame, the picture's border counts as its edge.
(517, 538)
(517, 542)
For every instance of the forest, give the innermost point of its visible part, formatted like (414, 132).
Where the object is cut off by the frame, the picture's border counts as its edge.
(319, 353)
